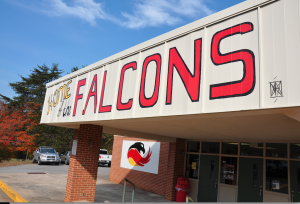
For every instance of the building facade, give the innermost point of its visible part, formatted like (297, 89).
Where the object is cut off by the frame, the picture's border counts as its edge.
(171, 166)
(226, 84)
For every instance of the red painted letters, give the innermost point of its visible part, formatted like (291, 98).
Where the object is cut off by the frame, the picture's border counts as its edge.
(78, 96)
(190, 81)
(144, 101)
(92, 93)
(241, 87)
(103, 109)
(128, 105)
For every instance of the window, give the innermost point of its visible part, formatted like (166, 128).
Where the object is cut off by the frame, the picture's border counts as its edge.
(212, 169)
(277, 176)
(230, 148)
(193, 146)
(103, 152)
(228, 174)
(192, 162)
(211, 147)
(276, 150)
(295, 150)
(254, 174)
(252, 149)
(298, 179)
(47, 151)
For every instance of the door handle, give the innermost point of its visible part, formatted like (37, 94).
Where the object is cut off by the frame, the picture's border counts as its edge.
(216, 183)
(260, 191)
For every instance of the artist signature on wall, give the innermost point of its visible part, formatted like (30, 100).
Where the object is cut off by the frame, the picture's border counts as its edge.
(65, 109)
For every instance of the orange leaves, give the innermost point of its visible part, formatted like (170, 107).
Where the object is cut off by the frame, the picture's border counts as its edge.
(14, 125)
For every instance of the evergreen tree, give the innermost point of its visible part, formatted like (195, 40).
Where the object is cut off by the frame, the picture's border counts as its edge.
(33, 87)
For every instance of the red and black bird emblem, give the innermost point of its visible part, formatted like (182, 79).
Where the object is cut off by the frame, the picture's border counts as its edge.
(134, 154)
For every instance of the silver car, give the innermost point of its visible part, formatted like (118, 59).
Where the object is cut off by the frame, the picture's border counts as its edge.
(65, 158)
(45, 155)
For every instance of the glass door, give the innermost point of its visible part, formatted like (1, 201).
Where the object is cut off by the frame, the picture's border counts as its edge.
(295, 180)
(250, 180)
(208, 178)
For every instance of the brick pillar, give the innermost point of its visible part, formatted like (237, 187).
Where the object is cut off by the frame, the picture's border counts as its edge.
(83, 168)
(175, 167)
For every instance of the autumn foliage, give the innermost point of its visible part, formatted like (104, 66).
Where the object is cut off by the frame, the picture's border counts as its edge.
(14, 126)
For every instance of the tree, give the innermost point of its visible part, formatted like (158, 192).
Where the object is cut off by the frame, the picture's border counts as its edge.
(33, 89)
(14, 125)
(74, 69)
(107, 141)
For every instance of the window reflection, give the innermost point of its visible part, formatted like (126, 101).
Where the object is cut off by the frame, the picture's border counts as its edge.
(295, 150)
(230, 147)
(193, 146)
(211, 147)
(252, 149)
(276, 150)
(192, 162)
(228, 170)
(277, 176)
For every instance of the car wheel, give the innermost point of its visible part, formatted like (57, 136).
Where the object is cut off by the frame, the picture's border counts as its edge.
(33, 161)
(66, 162)
(109, 165)
(39, 161)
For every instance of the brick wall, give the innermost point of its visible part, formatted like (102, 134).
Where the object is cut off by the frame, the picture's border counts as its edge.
(171, 165)
(83, 168)
(176, 167)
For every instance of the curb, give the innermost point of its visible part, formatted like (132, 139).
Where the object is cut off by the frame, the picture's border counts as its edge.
(11, 193)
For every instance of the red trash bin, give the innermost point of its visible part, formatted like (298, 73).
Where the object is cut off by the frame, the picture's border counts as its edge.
(182, 188)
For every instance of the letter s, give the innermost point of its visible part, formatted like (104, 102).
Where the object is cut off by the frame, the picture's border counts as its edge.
(246, 85)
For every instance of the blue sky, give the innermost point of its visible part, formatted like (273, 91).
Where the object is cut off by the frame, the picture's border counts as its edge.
(81, 32)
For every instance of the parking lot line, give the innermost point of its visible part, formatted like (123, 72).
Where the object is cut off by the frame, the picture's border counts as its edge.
(11, 193)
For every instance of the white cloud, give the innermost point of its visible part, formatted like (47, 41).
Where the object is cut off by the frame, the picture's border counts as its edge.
(145, 13)
(159, 12)
(87, 10)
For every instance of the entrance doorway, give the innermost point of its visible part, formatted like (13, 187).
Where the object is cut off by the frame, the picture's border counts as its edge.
(209, 170)
(250, 188)
(295, 180)
(244, 171)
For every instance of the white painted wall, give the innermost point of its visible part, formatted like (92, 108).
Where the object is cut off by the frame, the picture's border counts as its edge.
(274, 42)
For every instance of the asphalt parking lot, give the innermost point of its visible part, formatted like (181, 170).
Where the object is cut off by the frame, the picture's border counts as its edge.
(51, 186)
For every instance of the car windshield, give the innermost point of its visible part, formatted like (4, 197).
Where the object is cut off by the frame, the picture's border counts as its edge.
(103, 152)
(48, 151)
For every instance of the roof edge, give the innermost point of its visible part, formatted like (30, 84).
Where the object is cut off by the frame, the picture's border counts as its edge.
(186, 29)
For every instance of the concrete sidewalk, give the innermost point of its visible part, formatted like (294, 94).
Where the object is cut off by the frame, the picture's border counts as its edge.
(50, 187)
